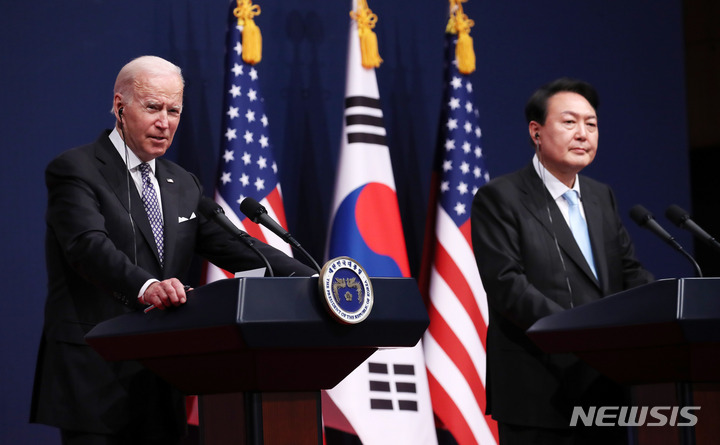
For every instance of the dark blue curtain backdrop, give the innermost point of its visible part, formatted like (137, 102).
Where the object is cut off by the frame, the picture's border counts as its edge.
(58, 62)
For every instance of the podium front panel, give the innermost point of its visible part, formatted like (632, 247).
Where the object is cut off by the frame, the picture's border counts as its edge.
(261, 334)
(664, 331)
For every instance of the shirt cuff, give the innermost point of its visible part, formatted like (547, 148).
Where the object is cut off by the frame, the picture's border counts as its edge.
(147, 284)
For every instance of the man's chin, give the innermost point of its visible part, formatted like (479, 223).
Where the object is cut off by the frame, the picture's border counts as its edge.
(155, 151)
(581, 160)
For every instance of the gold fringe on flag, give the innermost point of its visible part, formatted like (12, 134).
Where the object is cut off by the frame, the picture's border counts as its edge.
(460, 24)
(251, 37)
(366, 21)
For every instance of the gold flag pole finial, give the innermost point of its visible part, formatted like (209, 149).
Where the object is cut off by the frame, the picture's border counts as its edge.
(366, 21)
(251, 37)
(460, 24)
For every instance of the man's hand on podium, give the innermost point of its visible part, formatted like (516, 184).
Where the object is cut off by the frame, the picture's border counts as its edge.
(166, 293)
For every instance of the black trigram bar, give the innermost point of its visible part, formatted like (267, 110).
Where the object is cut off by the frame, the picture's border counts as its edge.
(405, 387)
(364, 119)
(362, 101)
(367, 138)
(379, 386)
(407, 405)
(404, 369)
(381, 404)
(378, 368)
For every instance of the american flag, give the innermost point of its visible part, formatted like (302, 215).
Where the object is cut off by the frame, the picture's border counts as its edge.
(247, 167)
(455, 341)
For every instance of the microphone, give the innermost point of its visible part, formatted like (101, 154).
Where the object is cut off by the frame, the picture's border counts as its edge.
(682, 219)
(211, 210)
(258, 214)
(645, 219)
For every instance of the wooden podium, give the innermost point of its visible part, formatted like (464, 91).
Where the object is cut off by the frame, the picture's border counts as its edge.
(664, 332)
(259, 350)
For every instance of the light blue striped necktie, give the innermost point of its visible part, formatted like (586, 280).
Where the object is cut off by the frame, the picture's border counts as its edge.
(579, 228)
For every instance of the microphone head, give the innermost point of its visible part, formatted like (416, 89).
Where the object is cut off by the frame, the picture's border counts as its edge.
(209, 208)
(640, 215)
(252, 209)
(677, 215)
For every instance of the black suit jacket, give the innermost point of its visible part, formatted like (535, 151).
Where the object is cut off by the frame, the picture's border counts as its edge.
(97, 261)
(527, 275)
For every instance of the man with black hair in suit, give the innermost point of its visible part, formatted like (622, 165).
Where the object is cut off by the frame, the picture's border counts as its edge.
(532, 266)
(123, 225)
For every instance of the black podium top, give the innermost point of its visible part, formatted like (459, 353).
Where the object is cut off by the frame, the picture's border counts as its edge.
(664, 331)
(261, 334)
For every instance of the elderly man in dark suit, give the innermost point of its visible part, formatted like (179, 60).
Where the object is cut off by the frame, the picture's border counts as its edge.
(122, 227)
(533, 264)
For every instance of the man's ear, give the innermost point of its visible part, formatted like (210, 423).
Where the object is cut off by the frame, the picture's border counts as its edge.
(534, 129)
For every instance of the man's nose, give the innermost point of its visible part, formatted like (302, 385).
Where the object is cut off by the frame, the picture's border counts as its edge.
(162, 120)
(582, 131)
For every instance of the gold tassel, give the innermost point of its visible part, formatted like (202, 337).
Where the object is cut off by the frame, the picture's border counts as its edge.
(460, 24)
(451, 27)
(366, 21)
(465, 54)
(251, 37)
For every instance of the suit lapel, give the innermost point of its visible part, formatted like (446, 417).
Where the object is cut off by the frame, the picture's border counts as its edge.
(170, 197)
(594, 217)
(539, 202)
(114, 170)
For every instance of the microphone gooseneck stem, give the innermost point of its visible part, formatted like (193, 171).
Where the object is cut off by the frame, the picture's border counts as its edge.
(258, 214)
(679, 248)
(252, 247)
(675, 245)
(213, 211)
(698, 272)
(307, 255)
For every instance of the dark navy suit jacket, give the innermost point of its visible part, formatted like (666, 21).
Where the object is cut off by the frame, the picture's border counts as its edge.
(97, 262)
(527, 276)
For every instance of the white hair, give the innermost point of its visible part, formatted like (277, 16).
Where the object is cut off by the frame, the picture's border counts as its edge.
(143, 65)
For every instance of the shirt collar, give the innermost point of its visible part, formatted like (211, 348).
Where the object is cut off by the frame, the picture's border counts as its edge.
(553, 184)
(132, 161)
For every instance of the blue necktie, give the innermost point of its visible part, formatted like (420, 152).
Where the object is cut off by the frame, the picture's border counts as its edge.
(578, 226)
(152, 208)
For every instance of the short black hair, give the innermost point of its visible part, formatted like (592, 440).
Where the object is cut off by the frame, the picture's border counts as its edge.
(536, 107)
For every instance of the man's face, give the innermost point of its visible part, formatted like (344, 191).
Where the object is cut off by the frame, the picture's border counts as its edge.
(568, 140)
(151, 118)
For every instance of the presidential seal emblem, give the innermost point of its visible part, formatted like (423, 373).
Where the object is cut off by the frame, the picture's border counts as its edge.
(346, 290)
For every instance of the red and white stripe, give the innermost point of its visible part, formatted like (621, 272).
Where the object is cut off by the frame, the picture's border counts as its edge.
(455, 341)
